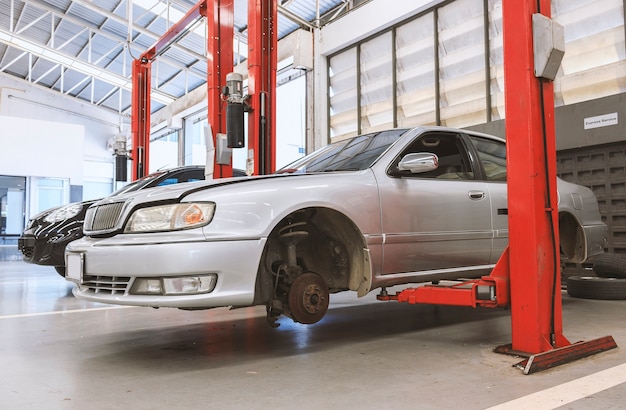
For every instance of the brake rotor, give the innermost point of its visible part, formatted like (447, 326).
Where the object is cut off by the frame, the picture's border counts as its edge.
(308, 298)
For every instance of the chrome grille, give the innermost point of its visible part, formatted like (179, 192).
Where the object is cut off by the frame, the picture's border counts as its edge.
(103, 217)
(110, 285)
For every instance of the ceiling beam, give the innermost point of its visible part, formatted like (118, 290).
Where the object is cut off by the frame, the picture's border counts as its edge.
(105, 13)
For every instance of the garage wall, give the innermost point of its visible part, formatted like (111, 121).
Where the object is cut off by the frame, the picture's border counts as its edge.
(591, 151)
(603, 169)
(58, 145)
(594, 122)
(33, 147)
(41, 112)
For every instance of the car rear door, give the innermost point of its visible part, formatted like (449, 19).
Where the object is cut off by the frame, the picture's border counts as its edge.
(438, 220)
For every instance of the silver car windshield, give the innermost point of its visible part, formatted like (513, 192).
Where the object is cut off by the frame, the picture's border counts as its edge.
(138, 184)
(352, 154)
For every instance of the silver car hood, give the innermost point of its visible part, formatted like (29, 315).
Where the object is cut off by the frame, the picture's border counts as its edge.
(176, 192)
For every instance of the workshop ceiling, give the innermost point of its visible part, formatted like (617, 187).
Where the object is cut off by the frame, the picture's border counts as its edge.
(85, 48)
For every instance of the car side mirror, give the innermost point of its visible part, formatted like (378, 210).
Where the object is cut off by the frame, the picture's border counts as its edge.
(419, 162)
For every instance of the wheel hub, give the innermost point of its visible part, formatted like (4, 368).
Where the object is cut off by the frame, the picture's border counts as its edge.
(313, 299)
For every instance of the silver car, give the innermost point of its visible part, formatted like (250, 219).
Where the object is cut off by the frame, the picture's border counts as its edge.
(387, 208)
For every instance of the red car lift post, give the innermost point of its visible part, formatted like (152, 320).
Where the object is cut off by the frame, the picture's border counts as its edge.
(528, 272)
(534, 254)
(140, 118)
(220, 22)
(262, 62)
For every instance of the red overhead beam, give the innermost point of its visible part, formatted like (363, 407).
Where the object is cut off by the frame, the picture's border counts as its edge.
(174, 33)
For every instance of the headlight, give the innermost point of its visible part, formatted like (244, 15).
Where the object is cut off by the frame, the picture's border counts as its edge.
(63, 213)
(170, 217)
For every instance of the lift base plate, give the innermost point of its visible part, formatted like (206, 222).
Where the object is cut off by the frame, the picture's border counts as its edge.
(552, 358)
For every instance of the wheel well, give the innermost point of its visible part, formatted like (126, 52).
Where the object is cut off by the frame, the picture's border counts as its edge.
(333, 248)
(572, 238)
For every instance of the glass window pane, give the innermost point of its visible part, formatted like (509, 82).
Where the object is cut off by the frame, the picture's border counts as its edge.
(342, 91)
(593, 65)
(95, 189)
(195, 146)
(492, 155)
(376, 84)
(51, 192)
(496, 59)
(164, 150)
(290, 121)
(462, 63)
(12, 205)
(415, 56)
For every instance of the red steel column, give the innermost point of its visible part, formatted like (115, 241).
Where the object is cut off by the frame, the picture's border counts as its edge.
(220, 21)
(262, 60)
(536, 314)
(140, 117)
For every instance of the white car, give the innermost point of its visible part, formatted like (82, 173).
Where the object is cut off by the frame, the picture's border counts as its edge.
(387, 208)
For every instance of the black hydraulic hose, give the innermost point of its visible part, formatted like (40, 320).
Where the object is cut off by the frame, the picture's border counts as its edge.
(549, 208)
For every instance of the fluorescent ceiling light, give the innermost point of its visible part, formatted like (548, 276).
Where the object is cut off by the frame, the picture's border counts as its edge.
(162, 97)
(26, 45)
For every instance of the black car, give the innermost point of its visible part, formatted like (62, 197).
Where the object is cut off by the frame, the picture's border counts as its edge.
(48, 233)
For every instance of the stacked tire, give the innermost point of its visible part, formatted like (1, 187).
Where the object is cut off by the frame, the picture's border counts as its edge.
(608, 284)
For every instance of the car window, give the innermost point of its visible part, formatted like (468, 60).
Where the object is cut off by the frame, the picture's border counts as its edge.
(353, 154)
(138, 184)
(193, 175)
(453, 160)
(492, 155)
(161, 178)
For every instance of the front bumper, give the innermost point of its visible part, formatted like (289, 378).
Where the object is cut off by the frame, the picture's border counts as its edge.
(105, 270)
(26, 245)
(47, 250)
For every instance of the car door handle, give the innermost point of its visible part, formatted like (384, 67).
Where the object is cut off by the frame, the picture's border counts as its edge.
(476, 195)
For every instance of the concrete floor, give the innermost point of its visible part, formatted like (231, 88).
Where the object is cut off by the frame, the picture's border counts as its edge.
(57, 352)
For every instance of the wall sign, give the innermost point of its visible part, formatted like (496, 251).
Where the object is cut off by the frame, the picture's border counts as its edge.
(601, 121)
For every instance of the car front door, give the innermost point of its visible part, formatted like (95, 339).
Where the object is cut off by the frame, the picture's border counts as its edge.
(437, 221)
(492, 157)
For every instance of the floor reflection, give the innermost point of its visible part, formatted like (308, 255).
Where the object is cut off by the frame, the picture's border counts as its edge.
(220, 337)
(30, 289)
